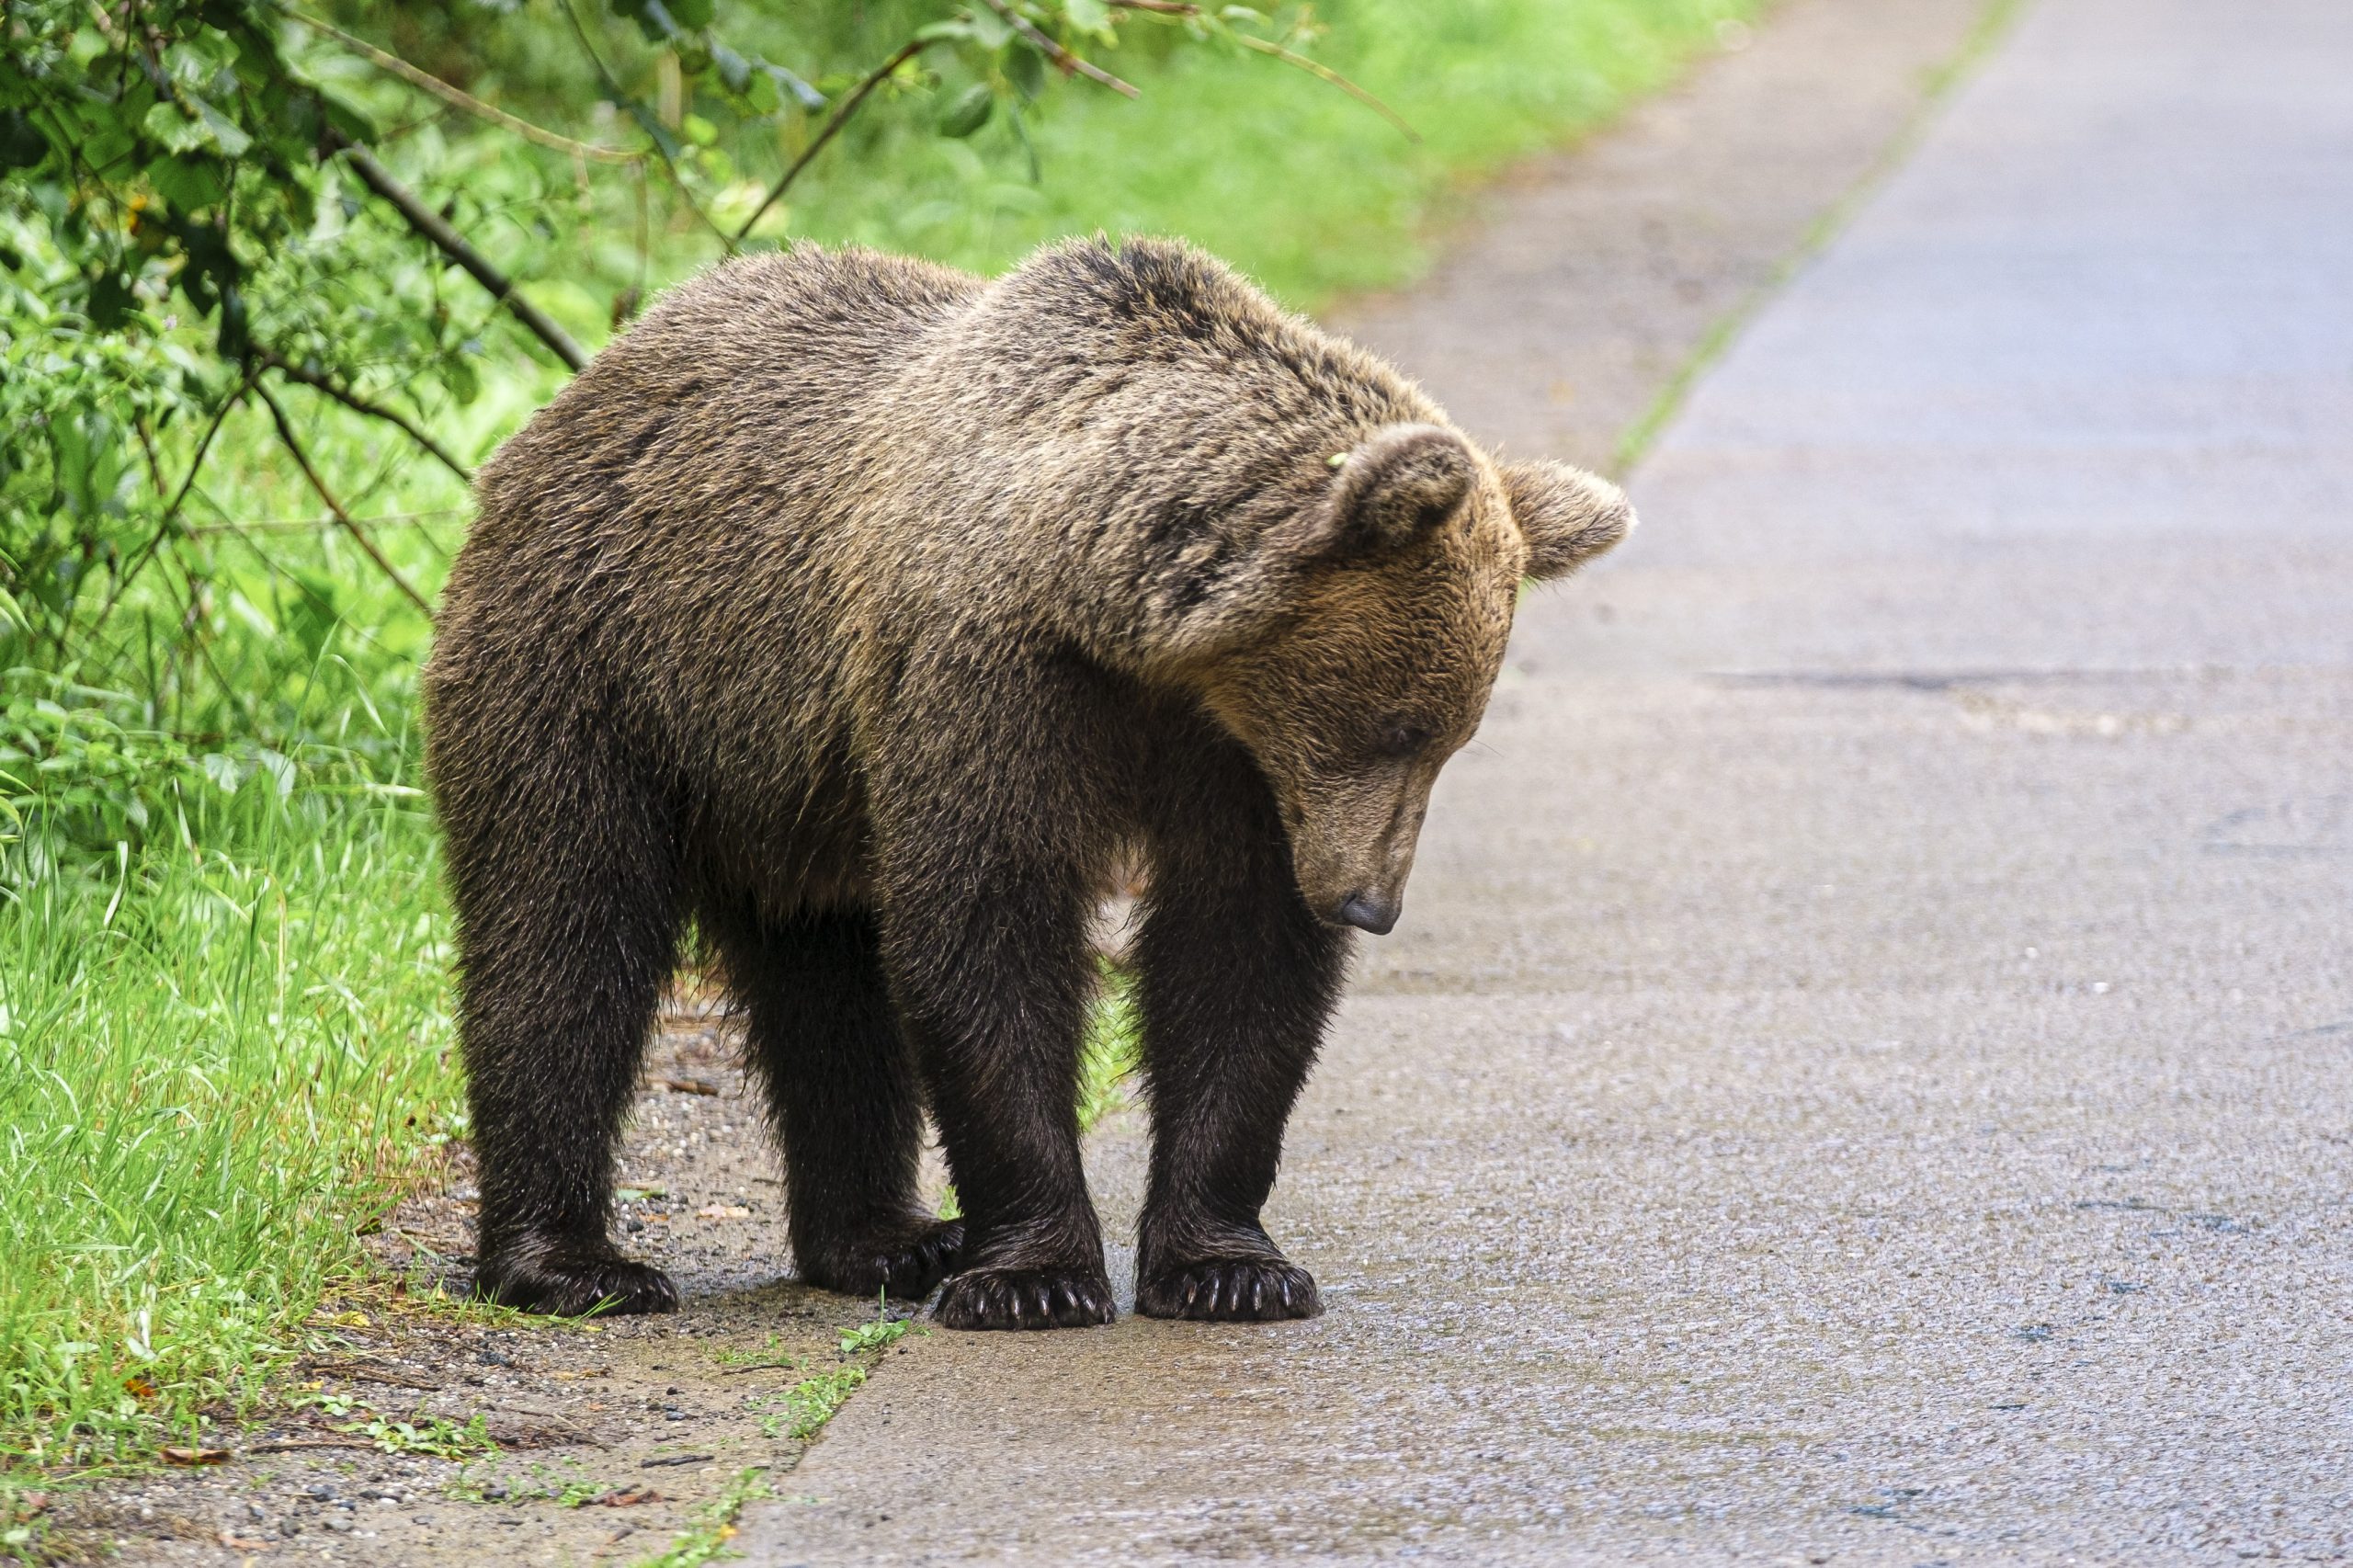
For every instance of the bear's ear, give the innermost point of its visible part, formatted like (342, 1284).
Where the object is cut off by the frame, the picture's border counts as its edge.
(1399, 482)
(1567, 515)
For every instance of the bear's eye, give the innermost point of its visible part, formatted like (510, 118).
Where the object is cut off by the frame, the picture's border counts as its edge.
(1403, 740)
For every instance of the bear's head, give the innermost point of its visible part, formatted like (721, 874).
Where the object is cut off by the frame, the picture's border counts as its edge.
(1385, 603)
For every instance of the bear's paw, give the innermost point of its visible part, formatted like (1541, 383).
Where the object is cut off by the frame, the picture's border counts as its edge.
(905, 1261)
(1230, 1289)
(1026, 1298)
(567, 1282)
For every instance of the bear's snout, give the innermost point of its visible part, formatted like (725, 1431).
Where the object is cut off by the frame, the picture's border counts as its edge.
(1367, 912)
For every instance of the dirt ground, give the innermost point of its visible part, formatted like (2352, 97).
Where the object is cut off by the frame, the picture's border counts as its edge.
(614, 1440)
(617, 1441)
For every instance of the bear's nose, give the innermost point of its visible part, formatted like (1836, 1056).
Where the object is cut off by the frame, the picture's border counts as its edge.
(1367, 913)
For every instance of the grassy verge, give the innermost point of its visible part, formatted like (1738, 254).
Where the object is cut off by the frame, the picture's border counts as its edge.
(224, 1038)
(1299, 184)
(216, 1066)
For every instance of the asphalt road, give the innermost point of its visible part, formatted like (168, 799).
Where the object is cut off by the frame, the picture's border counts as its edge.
(1867, 1072)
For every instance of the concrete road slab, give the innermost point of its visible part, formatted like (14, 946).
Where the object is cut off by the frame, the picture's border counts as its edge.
(1867, 1072)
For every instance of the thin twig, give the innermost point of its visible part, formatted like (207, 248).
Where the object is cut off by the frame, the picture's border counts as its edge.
(358, 404)
(172, 508)
(360, 535)
(454, 245)
(1064, 60)
(147, 448)
(613, 90)
(834, 122)
(1186, 9)
(1315, 68)
(360, 1371)
(380, 521)
(458, 98)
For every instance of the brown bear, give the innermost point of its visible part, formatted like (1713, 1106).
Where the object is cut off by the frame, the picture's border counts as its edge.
(866, 615)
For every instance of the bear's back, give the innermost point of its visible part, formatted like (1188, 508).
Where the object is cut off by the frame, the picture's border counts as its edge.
(759, 360)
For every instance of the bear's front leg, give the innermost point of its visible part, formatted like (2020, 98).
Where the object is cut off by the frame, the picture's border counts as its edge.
(981, 853)
(994, 995)
(1235, 979)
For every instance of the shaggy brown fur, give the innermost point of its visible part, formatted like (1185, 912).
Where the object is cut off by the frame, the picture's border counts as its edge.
(866, 613)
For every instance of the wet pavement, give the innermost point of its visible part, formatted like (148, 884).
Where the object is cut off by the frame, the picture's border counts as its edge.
(1866, 1074)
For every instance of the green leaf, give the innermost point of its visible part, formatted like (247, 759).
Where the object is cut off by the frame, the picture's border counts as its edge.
(21, 146)
(109, 302)
(458, 373)
(806, 96)
(188, 183)
(226, 133)
(651, 123)
(968, 111)
(1089, 17)
(734, 71)
(208, 130)
(353, 124)
(652, 16)
(164, 123)
(1026, 69)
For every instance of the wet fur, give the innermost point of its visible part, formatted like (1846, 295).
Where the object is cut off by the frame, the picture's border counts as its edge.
(866, 615)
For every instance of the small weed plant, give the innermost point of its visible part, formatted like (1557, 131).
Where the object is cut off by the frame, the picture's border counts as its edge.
(714, 1524)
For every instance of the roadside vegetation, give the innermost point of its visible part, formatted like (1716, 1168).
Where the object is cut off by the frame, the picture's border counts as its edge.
(251, 343)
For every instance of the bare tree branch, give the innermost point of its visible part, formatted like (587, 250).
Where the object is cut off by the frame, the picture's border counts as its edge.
(1315, 68)
(1064, 60)
(172, 507)
(359, 534)
(614, 91)
(358, 404)
(1186, 9)
(834, 122)
(454, 245)
(458, 98)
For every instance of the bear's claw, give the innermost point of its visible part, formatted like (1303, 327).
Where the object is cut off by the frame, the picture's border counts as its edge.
(1230, 1289)
(1026, 1298)
(906, 1261)
(567, 1282)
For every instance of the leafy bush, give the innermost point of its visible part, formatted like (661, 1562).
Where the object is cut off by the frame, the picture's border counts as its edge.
(221, 219)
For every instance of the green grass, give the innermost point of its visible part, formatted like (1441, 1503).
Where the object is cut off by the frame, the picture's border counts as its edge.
(714, 1524)
(1299, 184)
(215, 1068)
(225, 1013)
(1112, 1049)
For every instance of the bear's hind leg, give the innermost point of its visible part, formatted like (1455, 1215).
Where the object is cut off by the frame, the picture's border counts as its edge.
(567, 930)
(842, 1089)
